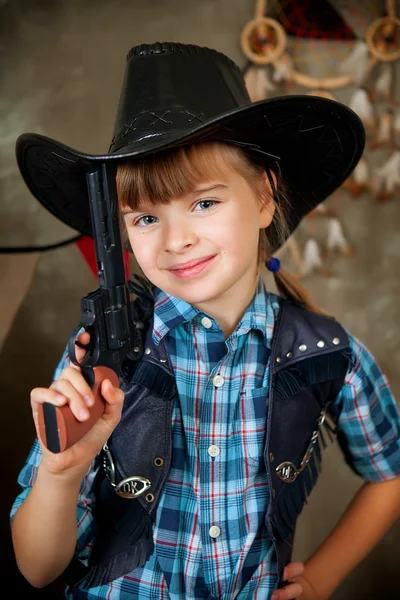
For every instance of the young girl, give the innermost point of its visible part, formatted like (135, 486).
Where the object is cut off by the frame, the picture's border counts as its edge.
(223, 415)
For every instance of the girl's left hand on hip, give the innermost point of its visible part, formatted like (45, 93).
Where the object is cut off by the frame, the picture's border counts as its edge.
(297, 586)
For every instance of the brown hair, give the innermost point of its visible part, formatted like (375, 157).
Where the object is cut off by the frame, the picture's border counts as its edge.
(160, 177)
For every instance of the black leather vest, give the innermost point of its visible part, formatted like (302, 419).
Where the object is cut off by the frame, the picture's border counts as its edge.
(309, 359)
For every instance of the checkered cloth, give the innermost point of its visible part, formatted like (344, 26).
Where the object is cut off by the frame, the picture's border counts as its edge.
(209, 534)
(312, 19)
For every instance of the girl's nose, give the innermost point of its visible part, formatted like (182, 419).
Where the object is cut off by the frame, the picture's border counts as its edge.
(179, 236)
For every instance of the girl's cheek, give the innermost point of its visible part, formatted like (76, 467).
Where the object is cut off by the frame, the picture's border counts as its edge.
(144, 252)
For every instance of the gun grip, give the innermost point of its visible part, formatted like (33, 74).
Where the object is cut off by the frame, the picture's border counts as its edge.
(58, 427)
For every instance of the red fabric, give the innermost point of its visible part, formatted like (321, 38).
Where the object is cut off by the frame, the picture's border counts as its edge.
(86, 247)
(317, 19)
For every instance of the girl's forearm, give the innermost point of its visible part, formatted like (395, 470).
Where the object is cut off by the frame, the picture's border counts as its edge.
(373, 510)
(44, 528)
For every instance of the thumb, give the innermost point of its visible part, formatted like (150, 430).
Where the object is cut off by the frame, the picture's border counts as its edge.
(112, 394)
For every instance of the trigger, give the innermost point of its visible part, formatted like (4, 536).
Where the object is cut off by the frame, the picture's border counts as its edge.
(80, 345)
(88, 347)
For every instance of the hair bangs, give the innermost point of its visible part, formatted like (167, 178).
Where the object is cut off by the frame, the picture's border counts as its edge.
(158, 178)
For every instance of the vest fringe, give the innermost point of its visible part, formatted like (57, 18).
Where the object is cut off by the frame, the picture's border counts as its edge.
(295, 495)
(289, 381)
(120, 564)
(141, 547)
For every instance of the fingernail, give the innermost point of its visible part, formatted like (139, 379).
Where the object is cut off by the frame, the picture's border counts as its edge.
(59, 398)
(83, 413)
(88, 399)
(274, 596)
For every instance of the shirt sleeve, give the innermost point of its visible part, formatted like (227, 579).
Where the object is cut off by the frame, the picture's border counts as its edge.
(85, 503)
(368, 418)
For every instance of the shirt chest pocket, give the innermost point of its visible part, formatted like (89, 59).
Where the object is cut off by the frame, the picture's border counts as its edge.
(250, 424)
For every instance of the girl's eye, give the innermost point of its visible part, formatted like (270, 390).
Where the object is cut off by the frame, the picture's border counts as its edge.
(145, 221)
(205, 205)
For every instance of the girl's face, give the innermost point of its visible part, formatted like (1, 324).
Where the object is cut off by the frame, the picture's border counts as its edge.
(202, 247)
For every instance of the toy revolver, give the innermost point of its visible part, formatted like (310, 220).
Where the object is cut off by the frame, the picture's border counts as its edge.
(105, 315)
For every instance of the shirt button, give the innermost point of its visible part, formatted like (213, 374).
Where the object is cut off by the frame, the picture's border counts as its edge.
(218, 381)
(213, 450)
(206, 322)
(214, 531)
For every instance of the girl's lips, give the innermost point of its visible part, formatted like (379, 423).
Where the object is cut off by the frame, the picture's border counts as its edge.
(187, 272)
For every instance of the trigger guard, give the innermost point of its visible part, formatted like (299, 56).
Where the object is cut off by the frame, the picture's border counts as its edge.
(72, 342)
(71, 345)
(89, 375)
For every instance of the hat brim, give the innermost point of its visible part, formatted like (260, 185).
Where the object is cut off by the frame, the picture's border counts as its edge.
(318, 142)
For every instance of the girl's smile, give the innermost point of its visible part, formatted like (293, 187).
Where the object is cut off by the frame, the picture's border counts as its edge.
(192, 268)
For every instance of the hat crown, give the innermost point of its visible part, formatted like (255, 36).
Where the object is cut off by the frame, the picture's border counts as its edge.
(179, 48)
(171, 88)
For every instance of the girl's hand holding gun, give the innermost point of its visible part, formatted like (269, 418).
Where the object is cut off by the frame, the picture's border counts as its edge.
(48, 514)
(72, 389)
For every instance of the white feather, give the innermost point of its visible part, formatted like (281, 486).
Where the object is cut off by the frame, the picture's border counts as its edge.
(375, 183)
(385, 126)
(360, 103)
(389, 173)
(266, 81)
(396, 122)
(384, 81)
(258, 83)
(360, 173)
(282, 69)
(336, 239)
(311, 256)
(356, 63)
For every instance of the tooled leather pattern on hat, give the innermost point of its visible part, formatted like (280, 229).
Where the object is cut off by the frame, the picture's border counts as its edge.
(178, 118)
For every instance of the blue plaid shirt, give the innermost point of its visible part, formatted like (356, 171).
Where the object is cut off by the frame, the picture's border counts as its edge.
(210, 538)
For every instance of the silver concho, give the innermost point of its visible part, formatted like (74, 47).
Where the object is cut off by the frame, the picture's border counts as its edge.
(130, 487)
(287, 471)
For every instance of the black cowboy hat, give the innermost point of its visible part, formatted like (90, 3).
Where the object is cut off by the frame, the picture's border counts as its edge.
(175, 94)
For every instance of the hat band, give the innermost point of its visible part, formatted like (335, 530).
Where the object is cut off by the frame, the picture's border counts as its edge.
(156, 123)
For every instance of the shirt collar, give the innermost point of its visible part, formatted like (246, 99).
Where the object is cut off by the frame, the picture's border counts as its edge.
(261, 314)
(169, 312)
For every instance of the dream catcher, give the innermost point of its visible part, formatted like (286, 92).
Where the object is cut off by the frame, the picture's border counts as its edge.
(369, 71)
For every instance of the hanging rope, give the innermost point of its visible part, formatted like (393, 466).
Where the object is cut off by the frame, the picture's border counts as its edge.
(391, 8)
(28, 249)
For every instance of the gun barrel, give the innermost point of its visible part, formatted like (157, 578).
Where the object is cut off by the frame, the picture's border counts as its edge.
(105, 226)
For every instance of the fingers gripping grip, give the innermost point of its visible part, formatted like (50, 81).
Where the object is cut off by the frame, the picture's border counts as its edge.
(59, 428)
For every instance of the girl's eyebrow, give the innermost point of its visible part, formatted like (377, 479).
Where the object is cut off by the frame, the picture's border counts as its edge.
(196, 191)
(131, 211)
(201, 190)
